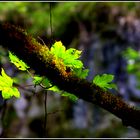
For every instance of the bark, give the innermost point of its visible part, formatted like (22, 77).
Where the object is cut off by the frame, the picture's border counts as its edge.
(38, 58)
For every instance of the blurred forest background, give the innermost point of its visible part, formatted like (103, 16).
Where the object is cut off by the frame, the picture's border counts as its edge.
(102, 30)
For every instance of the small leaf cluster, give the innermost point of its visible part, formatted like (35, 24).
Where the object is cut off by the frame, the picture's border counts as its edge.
(133, 60)
(44, 81)
(69, 57)
(132, 57)
(6, 82)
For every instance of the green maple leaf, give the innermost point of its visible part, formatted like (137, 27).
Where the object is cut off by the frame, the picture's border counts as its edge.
(37, 80)
(70, 96)
(130, 53)
(6, 86)
(64, 93)
(17, 62)
(58, 49)
(81, 73)
(69, 57)
(54, 89)
(104, 81)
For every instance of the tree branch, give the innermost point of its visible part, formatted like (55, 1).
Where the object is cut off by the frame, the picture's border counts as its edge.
(37, 57)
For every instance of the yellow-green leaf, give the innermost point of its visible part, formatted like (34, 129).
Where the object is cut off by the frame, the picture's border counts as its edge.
(69, 57)
(37, 80)
(15, 92)
(104, 81)
(6, 86)
(17, 62)
(63, 93)
(58, 49)
(7, 80)
(6, 94)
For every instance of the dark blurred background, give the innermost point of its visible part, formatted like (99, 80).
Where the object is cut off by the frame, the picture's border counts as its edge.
(102, 30)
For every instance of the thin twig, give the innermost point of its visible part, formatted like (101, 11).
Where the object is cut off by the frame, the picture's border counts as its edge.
(54, 112)
(51, 38)
(45, 116)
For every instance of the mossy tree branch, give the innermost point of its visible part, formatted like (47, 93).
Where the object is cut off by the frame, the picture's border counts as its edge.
(37, 57)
